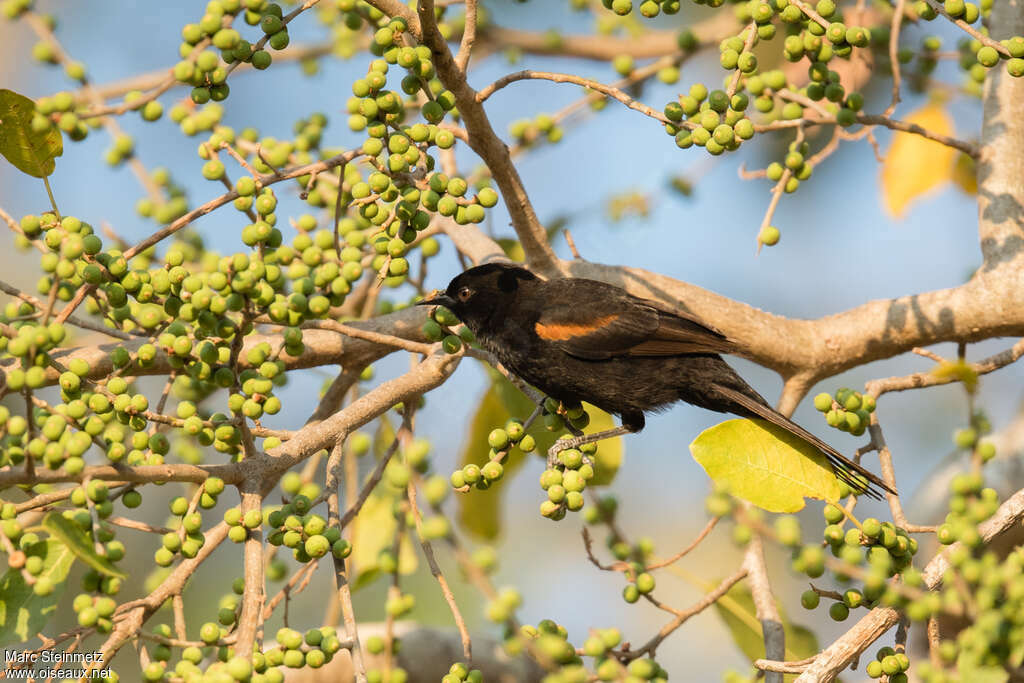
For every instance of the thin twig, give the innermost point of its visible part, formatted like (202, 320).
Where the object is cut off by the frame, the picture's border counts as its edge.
(682, 553)
(894, 50)
(709, 599)
(607, 90)
(468, 36)
(919, 380)
(435, 570)
(341, 572)
(784, 667)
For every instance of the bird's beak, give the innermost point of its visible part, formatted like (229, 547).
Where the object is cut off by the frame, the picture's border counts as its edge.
(438, 299)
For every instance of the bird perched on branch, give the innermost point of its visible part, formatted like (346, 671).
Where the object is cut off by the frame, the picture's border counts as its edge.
(584, 340)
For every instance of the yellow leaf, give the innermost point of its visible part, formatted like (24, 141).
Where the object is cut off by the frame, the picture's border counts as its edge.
(958, 370)
(764, 465)
(914, 164)
(609, 451)
(965, 172)
(479, 512)
(513, 249)
(374, 531)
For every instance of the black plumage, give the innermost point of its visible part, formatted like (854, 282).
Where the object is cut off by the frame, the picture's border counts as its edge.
(584, 340)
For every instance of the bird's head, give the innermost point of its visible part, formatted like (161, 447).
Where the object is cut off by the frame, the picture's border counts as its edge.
(478, 293)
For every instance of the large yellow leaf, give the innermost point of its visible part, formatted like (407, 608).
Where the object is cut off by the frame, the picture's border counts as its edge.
(764, 464)
(914, 164)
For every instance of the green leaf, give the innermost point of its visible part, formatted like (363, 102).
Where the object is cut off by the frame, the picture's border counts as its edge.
(764, 464)
(365, 577)
(512, 248)
(80, 544)
(23, 613)
(30, 152)
(736, 608)
(373, 531)
(975, 673)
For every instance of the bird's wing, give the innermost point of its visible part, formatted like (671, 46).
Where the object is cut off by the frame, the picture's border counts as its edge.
(618, 325)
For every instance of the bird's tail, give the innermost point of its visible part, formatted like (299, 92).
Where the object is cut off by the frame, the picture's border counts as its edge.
(846, 470)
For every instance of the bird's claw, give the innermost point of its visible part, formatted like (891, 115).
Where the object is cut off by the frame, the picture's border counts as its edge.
(562, 444)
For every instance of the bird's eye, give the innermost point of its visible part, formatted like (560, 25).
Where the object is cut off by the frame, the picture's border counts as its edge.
(465, 293)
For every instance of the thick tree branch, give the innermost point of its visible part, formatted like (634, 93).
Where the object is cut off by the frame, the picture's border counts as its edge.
(427, 375)
(991, 304)
(650, 44)
(250, 618)
(472, 242)
(231, 473)
(1001, 162)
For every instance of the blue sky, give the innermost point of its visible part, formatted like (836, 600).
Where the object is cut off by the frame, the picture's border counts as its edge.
(838, 250)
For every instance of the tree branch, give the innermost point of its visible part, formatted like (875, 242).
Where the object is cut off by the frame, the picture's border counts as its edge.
(608, 90)
(321, 347)
(486, 143)
(468, 37)
(848, 647)
(764, 605)
(231, 473)
(991, 304)
(683, 615)
(250, 618)
(1001, 160)
(427, 375)
(650, 44)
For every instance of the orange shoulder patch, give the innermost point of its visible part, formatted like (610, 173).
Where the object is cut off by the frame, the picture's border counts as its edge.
(563, 331)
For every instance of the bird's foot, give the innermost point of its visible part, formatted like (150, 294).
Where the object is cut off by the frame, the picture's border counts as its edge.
(577, 441)
(563, 444)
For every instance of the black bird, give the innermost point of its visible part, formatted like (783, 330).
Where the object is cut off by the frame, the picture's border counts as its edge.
(583, 340)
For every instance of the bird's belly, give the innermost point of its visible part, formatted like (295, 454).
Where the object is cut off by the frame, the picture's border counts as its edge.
(615, 385)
